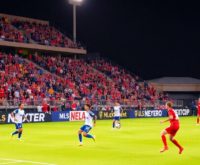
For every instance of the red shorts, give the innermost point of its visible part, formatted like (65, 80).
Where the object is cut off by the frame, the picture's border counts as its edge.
(198, 112)
(172, 129)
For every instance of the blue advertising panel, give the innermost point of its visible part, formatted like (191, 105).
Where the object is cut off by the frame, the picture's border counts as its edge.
(60, 116)
(150, 113)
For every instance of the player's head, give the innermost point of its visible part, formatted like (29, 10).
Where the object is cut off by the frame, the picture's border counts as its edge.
(169, 105)
(87, 107)
(116, 103)
(21, 106)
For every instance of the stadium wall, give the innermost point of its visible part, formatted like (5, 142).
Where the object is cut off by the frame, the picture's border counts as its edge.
(42, 47)
(177, 87)
(12, 17)
(5, 117)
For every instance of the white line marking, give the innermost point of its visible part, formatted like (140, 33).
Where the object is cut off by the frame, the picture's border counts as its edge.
(9, 162)
(25, 161)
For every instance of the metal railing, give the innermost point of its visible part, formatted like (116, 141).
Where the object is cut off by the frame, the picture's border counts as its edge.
(105, 103)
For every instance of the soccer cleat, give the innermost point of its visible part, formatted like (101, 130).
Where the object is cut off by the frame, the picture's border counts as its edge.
(164, 149)
(81, 144)
(181, 150)
(19, 139)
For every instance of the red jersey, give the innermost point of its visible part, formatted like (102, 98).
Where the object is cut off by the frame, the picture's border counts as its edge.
(198, 106)
(175, 118)
(2, 93)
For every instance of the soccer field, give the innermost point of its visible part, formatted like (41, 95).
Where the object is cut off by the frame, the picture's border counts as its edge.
(138, 142)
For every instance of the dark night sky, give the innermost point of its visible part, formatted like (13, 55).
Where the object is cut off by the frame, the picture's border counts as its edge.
(151, 38)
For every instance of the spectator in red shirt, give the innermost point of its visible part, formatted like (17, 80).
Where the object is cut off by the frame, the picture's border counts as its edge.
(45, 107)
(74, 106)
(2, 93)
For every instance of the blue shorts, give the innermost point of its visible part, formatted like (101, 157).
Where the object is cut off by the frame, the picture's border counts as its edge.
(18, 125)
(86, 128)
(116, 118)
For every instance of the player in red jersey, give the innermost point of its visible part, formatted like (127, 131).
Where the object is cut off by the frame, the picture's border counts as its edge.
(198, 112)
(172, 129)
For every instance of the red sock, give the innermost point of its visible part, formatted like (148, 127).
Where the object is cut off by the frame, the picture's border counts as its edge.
(164, 140)
(197, 120)
(177, 144)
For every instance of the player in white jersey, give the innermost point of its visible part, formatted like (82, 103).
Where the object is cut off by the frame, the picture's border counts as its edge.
(18, 115)
(90, 121)
(116, 119)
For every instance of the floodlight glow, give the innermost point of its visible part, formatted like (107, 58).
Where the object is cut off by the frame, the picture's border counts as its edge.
(75, 2)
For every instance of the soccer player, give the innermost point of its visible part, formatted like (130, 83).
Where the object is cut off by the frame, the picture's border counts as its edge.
(18, 115)
(116, 119)
(172, 129)
(90, 121)
(198, 112)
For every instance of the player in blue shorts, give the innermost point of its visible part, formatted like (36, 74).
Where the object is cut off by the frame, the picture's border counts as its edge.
(90, 121)
(18, 115)
(116, 119)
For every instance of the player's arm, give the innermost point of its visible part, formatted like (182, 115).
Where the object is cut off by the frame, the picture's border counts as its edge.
(169, 118)
(121, 110)
(112, 109)
(13, 116)
(94, 117)
(25, 118)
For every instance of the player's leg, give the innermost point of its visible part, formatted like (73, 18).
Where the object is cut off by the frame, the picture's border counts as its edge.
(113, 124)
(20, 133)
(171, 137)
(16, 131)
(87, 135)
(164, 140)
(86, 132)
(80, 136)
(119, 123)
(198, 116)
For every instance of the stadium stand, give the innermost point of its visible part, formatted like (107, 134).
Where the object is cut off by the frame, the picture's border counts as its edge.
(22, 32)
(43, 34)
(9, 33)
(131, 86)
(44, 77)
(23, 81)
(60, 77)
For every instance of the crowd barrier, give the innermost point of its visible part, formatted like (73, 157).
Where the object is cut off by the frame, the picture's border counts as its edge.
(5, 117)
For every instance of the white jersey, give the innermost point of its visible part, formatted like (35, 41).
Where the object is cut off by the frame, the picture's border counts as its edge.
(117, 111)
(19, 115)
(89, 118)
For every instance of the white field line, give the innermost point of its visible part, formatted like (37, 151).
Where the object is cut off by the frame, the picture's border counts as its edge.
(9, 163)
(24, 161)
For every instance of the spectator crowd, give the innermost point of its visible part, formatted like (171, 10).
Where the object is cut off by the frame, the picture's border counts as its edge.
(9, 33)
(43, 34)
(44, 78)
(57, 78)
(17, 30)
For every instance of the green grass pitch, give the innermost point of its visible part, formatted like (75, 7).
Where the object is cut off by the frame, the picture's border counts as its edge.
(138, 142)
